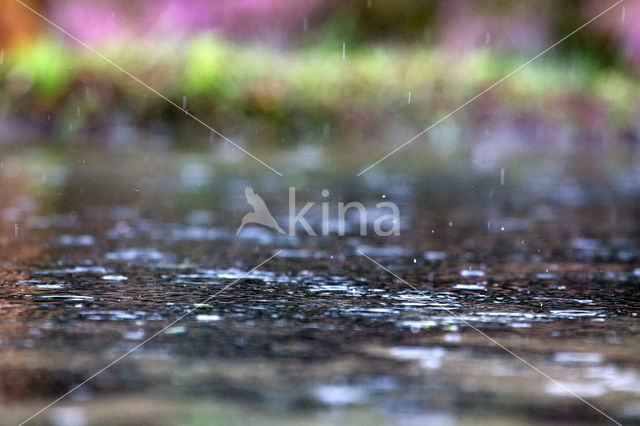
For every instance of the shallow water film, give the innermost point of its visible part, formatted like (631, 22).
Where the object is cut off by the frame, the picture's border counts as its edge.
(503, 301)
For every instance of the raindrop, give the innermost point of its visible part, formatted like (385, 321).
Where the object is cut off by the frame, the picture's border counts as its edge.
(623, 17)
(1, 56)
(409, 98)
(487, 38)
(344, 50)
(502, 177)
(489, 225)
(78, 111)
(369, 4)
(184, 104)
(305, 24)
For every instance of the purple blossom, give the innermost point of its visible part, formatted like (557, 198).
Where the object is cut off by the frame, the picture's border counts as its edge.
(104, 20)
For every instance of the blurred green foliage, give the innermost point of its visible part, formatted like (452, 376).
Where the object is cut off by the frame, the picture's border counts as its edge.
(292, 95)
(44, 68)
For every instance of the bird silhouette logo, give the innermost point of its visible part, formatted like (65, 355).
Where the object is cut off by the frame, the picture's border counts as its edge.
(260, 214)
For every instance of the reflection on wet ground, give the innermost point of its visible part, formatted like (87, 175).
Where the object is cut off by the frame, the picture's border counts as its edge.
(97, 258)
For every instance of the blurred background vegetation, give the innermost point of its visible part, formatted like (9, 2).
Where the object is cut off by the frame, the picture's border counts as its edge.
(358, 74)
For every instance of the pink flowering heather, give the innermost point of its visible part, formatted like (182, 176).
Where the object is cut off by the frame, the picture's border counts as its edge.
(104, 20)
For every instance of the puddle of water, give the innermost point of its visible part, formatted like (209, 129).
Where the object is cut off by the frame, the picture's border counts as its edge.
(320, 328)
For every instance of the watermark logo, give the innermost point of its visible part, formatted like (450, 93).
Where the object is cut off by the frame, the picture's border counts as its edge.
(385, 218)
(260, 214)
